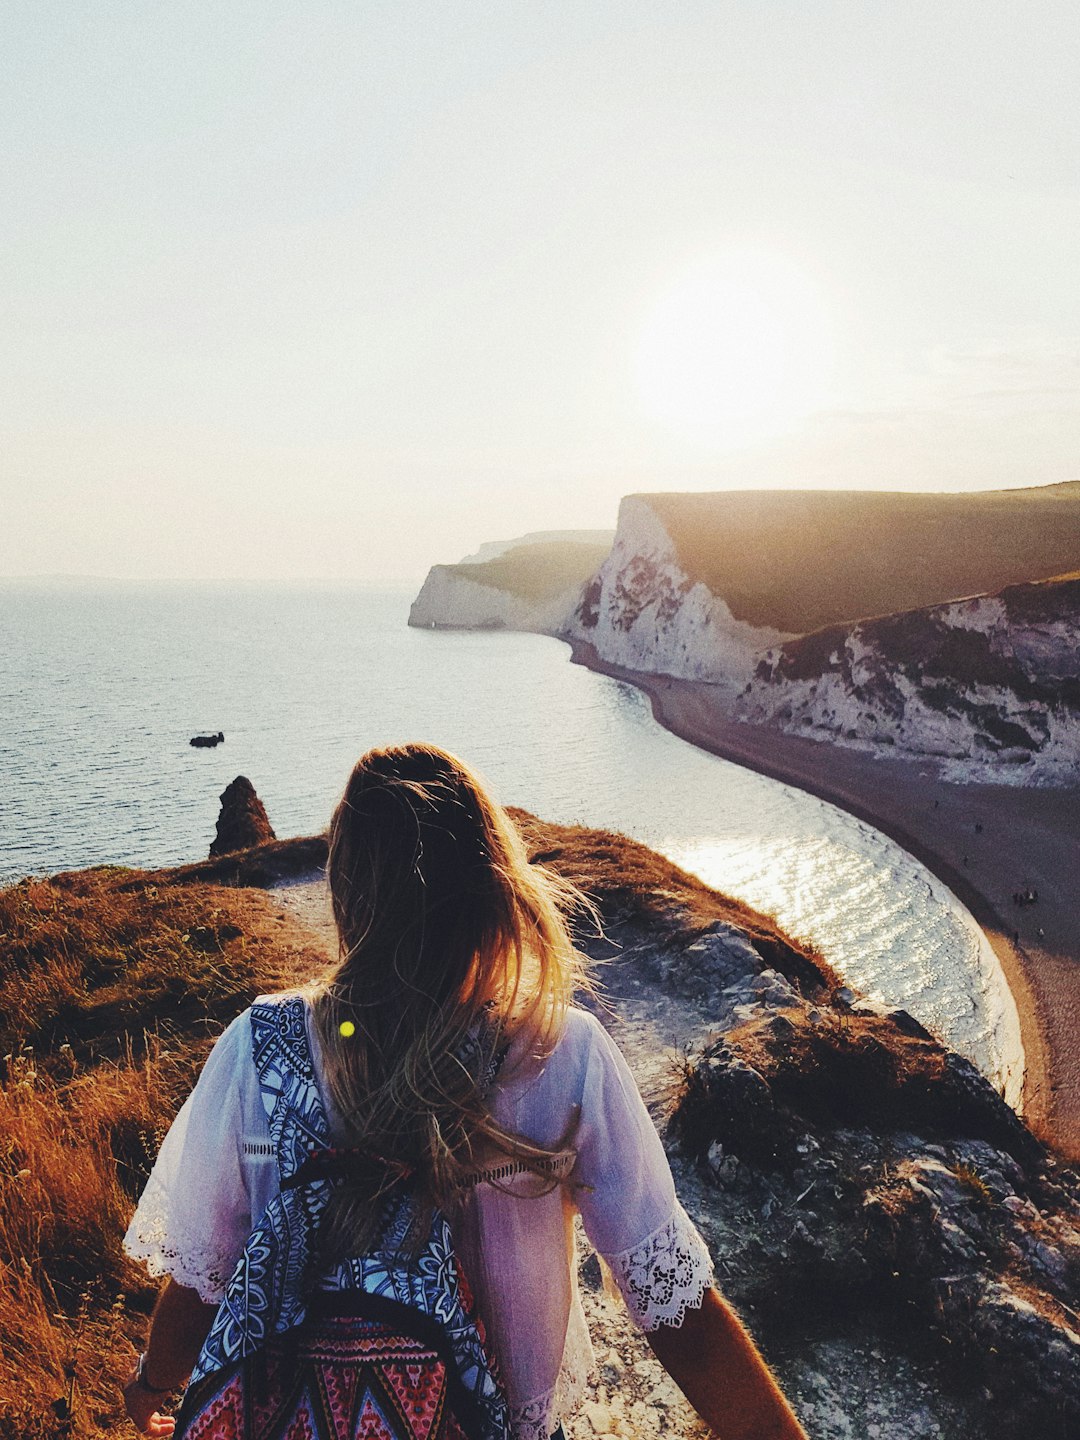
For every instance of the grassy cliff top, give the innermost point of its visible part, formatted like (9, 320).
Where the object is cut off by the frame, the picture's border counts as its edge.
(537, 572)
(799, 560)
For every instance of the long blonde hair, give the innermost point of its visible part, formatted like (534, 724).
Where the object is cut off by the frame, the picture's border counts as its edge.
(451, 947)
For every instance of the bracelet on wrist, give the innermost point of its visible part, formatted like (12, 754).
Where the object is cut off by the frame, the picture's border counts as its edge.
(144, 1383)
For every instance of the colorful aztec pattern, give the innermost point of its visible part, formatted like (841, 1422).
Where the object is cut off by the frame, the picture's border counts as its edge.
(344, 1378)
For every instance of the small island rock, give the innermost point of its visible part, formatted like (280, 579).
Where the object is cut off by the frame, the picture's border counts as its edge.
(242, 822)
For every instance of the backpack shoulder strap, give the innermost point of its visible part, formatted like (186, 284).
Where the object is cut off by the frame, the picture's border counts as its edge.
(266, 1293)
(286, 1071)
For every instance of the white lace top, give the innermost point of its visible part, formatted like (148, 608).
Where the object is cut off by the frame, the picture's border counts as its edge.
(216, 1173)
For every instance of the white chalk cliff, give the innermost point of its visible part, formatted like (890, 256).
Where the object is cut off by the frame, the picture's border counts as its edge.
(643, 611)
(533, 583)
(990, 685)
(450, 600)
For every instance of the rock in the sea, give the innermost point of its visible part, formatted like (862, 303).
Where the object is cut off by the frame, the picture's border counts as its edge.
(242, 822)
(207, 742)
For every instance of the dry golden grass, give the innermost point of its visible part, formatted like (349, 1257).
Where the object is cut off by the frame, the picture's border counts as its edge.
(537, 572)
(63, 1208)
(113, 986)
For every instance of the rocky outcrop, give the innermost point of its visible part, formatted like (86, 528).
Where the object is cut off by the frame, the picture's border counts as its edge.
(242, 821)
(884, 1220)
(644, 612)
(991, 683)
(868, 1172)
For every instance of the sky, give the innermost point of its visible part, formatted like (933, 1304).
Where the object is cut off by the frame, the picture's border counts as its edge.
(342, 289)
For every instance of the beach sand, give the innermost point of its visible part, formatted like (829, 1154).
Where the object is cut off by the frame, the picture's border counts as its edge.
(1029, 839)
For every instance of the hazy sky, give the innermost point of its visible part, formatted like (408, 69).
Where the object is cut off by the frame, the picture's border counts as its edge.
(343, 289)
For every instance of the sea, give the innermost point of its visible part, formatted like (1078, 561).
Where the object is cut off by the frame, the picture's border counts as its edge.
(103, 685)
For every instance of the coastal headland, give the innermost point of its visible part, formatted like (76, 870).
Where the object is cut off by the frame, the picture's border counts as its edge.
(988, 843)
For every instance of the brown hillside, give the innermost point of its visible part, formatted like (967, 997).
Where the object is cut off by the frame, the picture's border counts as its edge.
(799, 560)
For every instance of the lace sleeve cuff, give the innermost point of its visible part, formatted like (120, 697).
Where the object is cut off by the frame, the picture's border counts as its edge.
(665, 1275)
(151, 1239)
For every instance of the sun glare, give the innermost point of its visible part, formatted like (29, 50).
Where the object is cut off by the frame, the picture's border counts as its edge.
(735, 350)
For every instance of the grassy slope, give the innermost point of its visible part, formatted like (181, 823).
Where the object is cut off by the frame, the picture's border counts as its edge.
(802, 560)
(537, 572)
(113, 985)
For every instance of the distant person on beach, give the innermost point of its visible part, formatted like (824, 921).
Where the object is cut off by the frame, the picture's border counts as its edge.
(365, 1207)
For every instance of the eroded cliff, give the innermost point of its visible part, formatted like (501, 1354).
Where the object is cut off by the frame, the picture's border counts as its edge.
(991, 682)
(642, 610)
(766, 594)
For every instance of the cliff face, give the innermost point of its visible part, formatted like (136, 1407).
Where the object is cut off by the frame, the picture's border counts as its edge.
(643, 611)
(454, 601)
(764, 594)
(991, 682)
(533, 584)
(801, 560)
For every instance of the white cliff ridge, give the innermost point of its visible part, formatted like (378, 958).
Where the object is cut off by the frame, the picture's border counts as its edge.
(643, 612)
(450, 600)
(532, 583)
(990, 685)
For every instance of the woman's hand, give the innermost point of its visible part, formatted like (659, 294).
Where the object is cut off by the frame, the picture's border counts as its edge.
(142, 1410)
(177, 1331)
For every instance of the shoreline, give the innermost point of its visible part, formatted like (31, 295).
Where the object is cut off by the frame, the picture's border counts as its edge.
(1026, 837)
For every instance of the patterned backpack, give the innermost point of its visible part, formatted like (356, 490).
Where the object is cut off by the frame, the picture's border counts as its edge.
(388, 1347)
